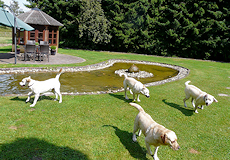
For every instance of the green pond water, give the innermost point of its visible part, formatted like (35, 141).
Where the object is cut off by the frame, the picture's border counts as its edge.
(86, 81)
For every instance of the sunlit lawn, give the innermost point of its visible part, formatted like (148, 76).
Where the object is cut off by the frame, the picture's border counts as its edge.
(100, 126)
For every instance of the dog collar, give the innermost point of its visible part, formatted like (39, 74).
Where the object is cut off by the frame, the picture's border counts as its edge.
(201, 96)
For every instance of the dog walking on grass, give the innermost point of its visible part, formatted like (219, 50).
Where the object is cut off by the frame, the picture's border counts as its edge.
(38, 87)
(201, 98)
(155, 134)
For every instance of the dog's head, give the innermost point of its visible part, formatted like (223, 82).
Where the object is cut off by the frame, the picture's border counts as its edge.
(145, 91)
(208, 99)
(24, 81)
(170, 139)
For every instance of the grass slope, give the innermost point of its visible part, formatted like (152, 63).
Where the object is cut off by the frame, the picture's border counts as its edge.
(100, 126)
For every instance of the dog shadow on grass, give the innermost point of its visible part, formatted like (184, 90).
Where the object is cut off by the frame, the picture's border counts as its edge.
(121, 97)
(33, 148)
(135, 150)
(42, 97)
(185, 111)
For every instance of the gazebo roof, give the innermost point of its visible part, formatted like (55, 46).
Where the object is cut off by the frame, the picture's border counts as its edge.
(38, 17)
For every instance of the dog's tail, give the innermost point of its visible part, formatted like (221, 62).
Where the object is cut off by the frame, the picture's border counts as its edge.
(122, 74)
(137, 106)
(186, 83)
(59, 73)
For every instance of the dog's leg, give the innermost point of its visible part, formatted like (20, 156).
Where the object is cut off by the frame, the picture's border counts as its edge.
(134, 97)
(134, 137)
(201, 107)
(58, 93)
(139, 133)
(138, 100)
(35, 99)
(149, 150)
(125, 86)
(29, 95)
(185, 99)
(155, 153)
(130, 90)
(60, 96)
(135, 129)
(56, 96)
(196, 106)
(193, 104)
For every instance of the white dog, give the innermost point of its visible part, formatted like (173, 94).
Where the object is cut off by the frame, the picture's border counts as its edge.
(135, 86)
(155, 134)
(38, 87)
(201, 98)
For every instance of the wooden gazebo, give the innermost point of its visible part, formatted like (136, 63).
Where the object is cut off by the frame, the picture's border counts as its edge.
(46, 28)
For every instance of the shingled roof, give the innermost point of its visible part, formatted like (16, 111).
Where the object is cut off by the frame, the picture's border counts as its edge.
(38, 17)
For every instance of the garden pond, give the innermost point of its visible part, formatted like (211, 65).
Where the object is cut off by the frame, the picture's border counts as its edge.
(103, 80)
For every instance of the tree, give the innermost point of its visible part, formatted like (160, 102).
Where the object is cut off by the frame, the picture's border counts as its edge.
(197, 29)
(33, 3)
(93, 24)
(15, 7)
(1, 3)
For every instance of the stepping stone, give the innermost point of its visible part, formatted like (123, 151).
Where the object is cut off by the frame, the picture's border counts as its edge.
(223, 95)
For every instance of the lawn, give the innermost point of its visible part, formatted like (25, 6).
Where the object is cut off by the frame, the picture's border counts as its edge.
(100, 126)
(5, 35)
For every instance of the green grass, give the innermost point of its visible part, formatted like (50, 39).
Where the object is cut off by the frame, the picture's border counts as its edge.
(5, 40)
(5, 35)
(100, 126)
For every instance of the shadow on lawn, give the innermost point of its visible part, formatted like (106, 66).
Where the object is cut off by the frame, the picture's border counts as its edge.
(121, 97)
(33, 148)
(134, 148)
(32, 98)
(185, 111)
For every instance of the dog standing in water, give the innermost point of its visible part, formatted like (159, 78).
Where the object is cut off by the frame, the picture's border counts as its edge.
(38, 87)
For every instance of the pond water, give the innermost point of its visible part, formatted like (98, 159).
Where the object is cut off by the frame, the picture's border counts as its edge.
(85, 81)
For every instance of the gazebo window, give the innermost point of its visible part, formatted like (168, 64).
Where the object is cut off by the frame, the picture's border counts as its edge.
(37, 35)
(32, 35)
(40, 36)
(20, 37)
(52, 36)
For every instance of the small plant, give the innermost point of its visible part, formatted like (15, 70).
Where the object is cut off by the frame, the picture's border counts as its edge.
(53, 47)
(18, 49)
(36, 43)
(53, 50)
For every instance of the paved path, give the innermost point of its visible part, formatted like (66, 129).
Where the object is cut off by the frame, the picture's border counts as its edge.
(9, 58)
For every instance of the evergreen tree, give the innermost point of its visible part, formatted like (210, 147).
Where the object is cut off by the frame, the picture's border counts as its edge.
(93, 25)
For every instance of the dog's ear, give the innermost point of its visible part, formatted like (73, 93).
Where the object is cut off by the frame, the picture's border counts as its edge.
(163, 138)
(205, 96)
(214, 100)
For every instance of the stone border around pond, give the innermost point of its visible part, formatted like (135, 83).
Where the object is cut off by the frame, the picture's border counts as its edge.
(183, 72)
